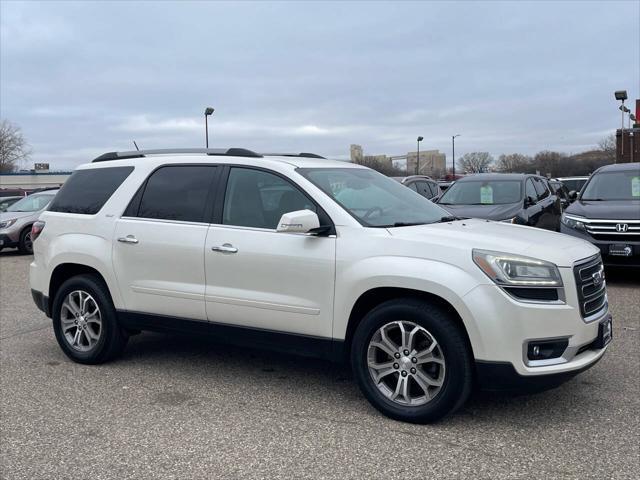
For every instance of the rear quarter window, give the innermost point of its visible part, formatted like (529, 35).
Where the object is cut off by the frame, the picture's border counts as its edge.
(86, 191)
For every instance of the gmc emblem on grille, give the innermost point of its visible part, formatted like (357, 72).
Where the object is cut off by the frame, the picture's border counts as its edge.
(622, 227)
(597, 278)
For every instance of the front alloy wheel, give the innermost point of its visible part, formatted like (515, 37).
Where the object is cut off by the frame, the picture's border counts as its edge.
(412, 360)
(406, 363)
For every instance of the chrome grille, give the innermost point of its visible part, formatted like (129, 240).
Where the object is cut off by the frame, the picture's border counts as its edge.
(622, 230)
(591, 286)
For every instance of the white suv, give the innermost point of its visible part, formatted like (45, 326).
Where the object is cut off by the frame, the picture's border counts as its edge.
(320, 258)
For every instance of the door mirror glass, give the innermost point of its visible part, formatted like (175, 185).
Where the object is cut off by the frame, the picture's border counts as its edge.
(529, 201)
(300, 221)
(573, 195)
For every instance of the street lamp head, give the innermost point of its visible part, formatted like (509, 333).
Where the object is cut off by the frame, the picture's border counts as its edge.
(456, 135)
(420, 139)
(621, 95)
(208, 111)
(624, 109)
(632, 117)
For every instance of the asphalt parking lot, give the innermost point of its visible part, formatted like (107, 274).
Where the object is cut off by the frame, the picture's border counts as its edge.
(187, 408)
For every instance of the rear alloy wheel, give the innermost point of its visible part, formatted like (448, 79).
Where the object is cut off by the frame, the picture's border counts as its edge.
(85, 321)
(25, 244)
(412, 361)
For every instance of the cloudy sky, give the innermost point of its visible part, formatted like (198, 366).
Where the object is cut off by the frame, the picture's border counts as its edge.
(84, 78)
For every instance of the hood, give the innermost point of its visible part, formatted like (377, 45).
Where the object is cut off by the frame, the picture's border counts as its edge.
(606, 210)
(563, 250)
(488, 212)
(11, 215)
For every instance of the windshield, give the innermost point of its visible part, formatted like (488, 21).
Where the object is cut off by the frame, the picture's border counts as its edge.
(32, 203)
(613, 186)
(483, 192)
(372, 198)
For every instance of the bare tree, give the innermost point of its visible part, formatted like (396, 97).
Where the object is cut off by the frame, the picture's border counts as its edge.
(608, 147)
(13, 147)
(513, 163)
(386, 168)
(475, 162)
(548, 162)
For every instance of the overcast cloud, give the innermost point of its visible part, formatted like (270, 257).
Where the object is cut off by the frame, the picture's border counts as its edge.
(85, 78)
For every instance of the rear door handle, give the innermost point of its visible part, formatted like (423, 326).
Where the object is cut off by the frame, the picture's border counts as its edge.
(225, 248)
(128, 239)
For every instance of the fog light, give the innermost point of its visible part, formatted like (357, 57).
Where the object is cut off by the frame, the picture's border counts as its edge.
(546, 349)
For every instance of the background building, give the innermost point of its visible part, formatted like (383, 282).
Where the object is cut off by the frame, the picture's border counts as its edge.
(432, 162)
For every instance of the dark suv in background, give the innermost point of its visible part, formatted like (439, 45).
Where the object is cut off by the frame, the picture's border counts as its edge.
(607, 213)
(507, 197)
(424, 185)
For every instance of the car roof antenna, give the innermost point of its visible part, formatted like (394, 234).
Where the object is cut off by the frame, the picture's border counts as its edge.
(135, 145)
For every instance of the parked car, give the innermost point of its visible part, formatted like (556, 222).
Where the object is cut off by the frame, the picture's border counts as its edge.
(562, 192)
(444, 185)
(424, 185)
(607, 213)
(507, 197)
(6, 202)
(347, 264)
(16, 221)
(573, 183)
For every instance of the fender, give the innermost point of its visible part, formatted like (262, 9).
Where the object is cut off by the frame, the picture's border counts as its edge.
(89, 250)
(444, 280)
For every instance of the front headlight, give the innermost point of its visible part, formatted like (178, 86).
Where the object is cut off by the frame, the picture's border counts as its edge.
(8, 223)
(572, 221)
(507, 270)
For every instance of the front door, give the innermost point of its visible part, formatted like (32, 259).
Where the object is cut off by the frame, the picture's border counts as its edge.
(159, 243)
(257, 277)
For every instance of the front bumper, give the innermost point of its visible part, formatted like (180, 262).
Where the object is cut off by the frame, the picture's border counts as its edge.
(610, 260)
(502, 377)
(7, 242)
(503, 327)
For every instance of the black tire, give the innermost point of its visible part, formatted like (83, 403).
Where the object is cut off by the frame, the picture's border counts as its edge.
(112, 338)
(458, 379)
(24, 244)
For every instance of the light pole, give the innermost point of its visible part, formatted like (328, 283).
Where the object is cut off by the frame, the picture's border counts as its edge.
(418, 159)
(622, 96)
(207, 111)
(453, 154)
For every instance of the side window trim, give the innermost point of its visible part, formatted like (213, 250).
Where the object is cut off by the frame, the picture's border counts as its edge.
(221, 191)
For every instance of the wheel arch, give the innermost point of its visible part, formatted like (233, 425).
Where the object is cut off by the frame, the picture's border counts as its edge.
(64, 271)
(373, 297)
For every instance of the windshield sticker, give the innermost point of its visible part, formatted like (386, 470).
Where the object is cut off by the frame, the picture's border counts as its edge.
(486, 195)
(635, 186)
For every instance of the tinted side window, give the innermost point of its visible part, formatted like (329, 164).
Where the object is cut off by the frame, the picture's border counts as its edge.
(423, 189)
(255, 198)
(434, 188)
(177, 193)
(530, 190)
(86, 191)
(413, 186)
(541, 188)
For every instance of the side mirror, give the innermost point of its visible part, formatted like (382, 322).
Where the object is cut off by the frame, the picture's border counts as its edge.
(300, 221)
(529, 200)
(573, 195)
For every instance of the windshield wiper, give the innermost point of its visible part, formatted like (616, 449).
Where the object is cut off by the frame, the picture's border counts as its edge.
(449, 218)
(408, 224)
(593, 199)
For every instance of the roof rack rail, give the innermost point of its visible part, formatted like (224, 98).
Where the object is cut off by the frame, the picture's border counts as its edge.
(302, 154)
(230, 152)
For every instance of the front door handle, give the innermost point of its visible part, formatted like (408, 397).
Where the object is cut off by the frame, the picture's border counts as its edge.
(226, 248)
(128, 239)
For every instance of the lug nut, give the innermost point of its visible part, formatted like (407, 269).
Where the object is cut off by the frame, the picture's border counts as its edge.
(397, 354)
(414, 360)
(396, 366)
(413, 370)
(404, 373)
(406, 352)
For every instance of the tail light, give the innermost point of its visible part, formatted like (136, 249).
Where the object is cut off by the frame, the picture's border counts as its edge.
(36, 230)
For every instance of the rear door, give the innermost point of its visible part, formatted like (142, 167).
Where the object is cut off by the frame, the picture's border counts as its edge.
(257, 277)
(159, 242)
(549, 217)
(533, 210)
